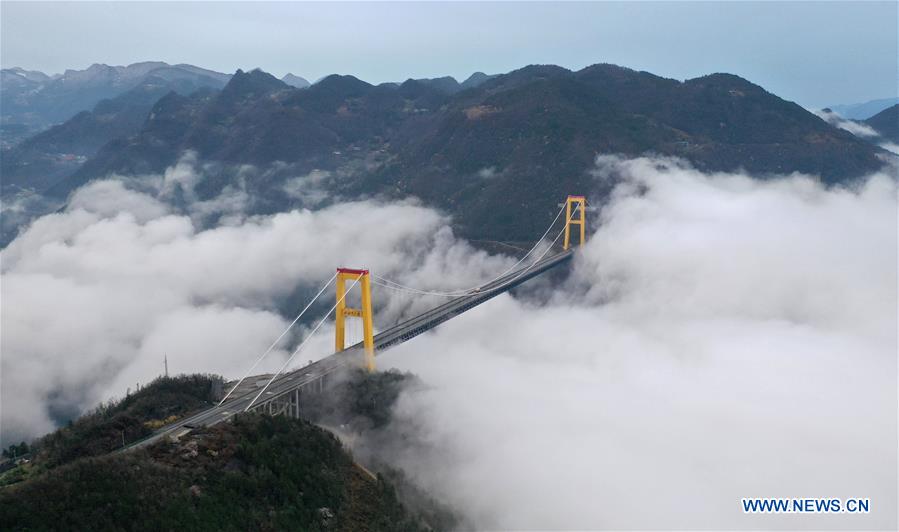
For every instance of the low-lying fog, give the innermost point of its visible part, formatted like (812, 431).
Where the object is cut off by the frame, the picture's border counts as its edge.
(718, 337)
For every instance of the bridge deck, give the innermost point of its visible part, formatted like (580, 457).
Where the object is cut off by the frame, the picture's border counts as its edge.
(314, 372)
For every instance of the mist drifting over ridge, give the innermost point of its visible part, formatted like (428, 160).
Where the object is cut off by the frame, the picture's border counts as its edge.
(106, 288)
(718, 337)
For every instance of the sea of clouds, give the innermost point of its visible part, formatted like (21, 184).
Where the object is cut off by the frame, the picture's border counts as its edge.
(718, 337)
(96, 296)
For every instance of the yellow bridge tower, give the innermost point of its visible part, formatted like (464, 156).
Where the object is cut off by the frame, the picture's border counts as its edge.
(368, 342)
(575, 204)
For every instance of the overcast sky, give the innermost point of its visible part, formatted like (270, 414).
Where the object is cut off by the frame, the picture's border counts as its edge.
(817, 54)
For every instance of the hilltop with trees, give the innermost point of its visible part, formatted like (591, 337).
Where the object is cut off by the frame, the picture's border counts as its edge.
(255, 473)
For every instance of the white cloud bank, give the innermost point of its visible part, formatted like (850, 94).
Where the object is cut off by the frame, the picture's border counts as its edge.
(720, 338)
(94, 297)
(857, 128)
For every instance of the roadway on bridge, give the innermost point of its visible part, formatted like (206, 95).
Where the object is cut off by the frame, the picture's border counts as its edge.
(290, 381)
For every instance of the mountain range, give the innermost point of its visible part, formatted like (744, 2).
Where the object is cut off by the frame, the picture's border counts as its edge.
(864, 110)
(886, 123)
(37, 100)
(483, 150)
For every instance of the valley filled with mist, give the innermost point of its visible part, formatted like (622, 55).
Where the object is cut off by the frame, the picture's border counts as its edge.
(727, 330)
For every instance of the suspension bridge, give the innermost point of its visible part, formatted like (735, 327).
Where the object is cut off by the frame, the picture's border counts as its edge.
(281, 393)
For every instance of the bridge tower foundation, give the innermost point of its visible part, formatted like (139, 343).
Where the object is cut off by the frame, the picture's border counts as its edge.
(364, 313)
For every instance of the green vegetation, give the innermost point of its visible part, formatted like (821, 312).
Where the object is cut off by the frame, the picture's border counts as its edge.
(130, 419)
(362, 403)
(259, 473)
(18, 473)
(358, 398)
(519, 142)
(15, 451)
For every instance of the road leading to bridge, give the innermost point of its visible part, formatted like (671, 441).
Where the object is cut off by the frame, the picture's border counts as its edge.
(312, 374)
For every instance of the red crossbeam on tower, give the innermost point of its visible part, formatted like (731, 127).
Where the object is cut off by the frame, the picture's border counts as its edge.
(352, 271)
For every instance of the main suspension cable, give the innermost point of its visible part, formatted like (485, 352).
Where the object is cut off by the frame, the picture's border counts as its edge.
(524, 271)
(267, 351)
(545, 251)
(377, 282)
(458, 293)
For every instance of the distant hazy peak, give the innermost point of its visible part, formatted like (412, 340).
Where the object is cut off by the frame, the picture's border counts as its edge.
(725, 80)
(475, 79)
(295, 81)
(525, 75)
(254, 82)
(31, 75)
(863, 111)
(445, 84)
(608, 68)
(203, 72)
(37, 101)
(134, 71)
(343, 84)
(886, 122)
(141, 69)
